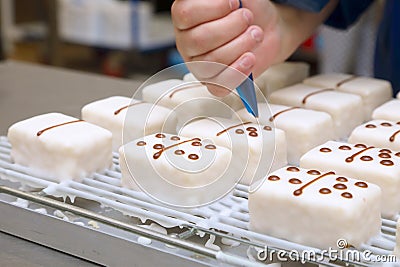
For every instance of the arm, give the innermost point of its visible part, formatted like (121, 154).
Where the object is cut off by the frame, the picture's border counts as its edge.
(248, 40)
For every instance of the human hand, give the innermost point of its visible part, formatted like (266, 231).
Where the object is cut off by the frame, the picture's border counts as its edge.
(242, 40)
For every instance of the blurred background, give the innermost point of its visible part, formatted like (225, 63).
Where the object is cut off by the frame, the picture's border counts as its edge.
(135, 39)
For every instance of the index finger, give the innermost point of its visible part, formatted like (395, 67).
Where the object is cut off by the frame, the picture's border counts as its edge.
(187, 14)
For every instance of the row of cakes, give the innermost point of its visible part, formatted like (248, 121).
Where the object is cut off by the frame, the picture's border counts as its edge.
(62, 147)
(74, 148)
(340, 190)
(303, 128)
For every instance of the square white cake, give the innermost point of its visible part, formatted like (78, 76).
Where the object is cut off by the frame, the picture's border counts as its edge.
(178, 170)
(190, 100)
(388, 111)
(304, 128)
(374, 165)
(315, 208)
(374, 92)
(282, 75)
(262, 147)
(60, 147)
(128, 118)
(378, 133)
(346, 109)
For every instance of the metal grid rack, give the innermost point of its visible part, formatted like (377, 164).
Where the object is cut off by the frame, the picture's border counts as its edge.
(217, 234)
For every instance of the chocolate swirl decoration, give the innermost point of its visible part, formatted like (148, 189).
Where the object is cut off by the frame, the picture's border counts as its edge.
(58, 125)
(352, 77)
(232, 127)
(272, 118)
(315, 93)
(351, 158)
(159, 153)
(125, 107)
(183, 88)
(299, 191)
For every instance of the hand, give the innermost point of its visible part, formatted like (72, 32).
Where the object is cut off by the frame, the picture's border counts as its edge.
(218, 31)
(243, 40)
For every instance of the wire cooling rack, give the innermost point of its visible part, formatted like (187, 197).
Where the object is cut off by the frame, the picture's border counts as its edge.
(225, 222)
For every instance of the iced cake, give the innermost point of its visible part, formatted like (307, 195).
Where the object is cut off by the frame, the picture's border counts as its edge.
(374, 92)
(380, 166)
(261, 146)
(345, 109)
(138, 118)
(388, 111)
(60, 147)
(304, 128)
(378, 133)
(315, 208)
(282, 75)
(178, 170)
(190, 99)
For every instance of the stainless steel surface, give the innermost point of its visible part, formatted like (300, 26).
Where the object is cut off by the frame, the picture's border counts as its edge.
(27, 90)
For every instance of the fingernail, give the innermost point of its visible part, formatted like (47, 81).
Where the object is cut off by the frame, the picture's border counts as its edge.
(232, 4)
(257, 35)
(247, 16)
(246, 63)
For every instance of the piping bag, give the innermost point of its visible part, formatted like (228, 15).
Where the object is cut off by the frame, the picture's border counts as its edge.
(247, 91)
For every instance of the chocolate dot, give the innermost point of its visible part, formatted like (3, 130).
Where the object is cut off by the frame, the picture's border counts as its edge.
(253, 134)
(397, 154)
(239, 131)
(157, 155)
(340, 186)
(347, 195)
(314, 172)
(179, 152)
(342, 179)
(175, 138)
(386, 124)
(158, 146)
(361, 184)
(385, 150)
(360, 146)
(385, 155)
(196, 139)
(196, 143)
(370, 126)
(210, 147)
(267, 128)
(141, 143)
(345, 148)
(274, 178)
(387, 162)
(325, 191)
(251, 129)
(160, 135)
(294, 181)
(193, 157)
(366, 158)
(325, 150)
(298, 192)
(293, 169)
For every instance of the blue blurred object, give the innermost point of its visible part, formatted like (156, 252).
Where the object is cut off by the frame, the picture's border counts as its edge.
(247, 91)
(247, 94)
